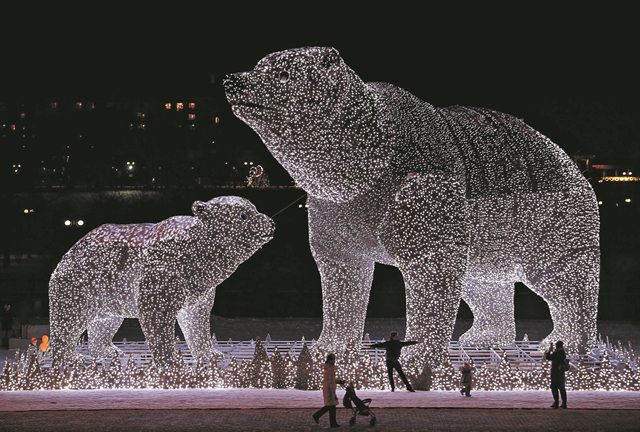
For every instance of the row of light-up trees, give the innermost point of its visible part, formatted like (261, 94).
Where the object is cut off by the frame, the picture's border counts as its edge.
(303, 372)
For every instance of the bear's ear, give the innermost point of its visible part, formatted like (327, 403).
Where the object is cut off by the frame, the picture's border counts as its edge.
(330, 58)
(198, 208)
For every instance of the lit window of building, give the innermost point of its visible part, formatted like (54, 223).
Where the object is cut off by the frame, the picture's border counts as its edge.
(217, 120)
(192, 126)
(192, 116)
(179, 106)
(13, 127)
(54, 105)
(192, 105)
(167, 106)
(93, 105)
(79, 105)
(141, 126)
(22, 116)
(141, 114)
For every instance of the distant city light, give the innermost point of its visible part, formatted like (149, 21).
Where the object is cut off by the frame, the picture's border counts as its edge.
(67, 223)
(627, 200)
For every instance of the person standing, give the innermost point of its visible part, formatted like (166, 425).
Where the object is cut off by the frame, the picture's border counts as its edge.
(393, 347)
(465, 381)
(557, 358)
(329, 392)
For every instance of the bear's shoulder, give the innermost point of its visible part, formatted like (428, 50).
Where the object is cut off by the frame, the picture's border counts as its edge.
(173, 228)
(131, 235)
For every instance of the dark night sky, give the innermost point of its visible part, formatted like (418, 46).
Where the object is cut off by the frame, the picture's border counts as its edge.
(570, 69)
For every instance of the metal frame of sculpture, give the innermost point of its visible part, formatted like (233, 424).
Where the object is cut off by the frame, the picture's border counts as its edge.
(464, 201)
(158, 273)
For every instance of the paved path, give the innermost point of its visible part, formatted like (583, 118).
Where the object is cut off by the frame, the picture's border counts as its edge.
(389, 419)
(60, 400)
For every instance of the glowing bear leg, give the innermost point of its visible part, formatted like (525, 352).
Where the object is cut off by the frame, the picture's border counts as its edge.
(493, 314)
(195, 325)
(572, 295)
(427, 235)
(101, 331)
(345, 296)
(68, 310)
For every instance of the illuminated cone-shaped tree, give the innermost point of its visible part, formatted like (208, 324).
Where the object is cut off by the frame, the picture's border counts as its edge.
(259, 370)
(5, 380)
(607, 378)
(305, 370)
(131, 375)
(380, 371)
(628, 379)
(348, 364)
(114, 372)
(91, 377)
(233, 377)
(424, 380)
(278, 367)
(586, 378)
(218, 376)
(200, 377)
(291, 371)
(505, 378)
(152, 378)
(32, 374)
(483, 377)
(446, 377)
(365, 374)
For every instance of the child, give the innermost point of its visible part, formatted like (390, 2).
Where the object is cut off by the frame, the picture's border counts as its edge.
(465, 381)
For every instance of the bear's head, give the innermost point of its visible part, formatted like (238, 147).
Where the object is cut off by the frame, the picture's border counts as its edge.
(318, 119)
(234, 224)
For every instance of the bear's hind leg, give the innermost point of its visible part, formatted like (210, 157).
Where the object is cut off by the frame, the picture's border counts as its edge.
(101, 331)
(493, 315)
(570, 288)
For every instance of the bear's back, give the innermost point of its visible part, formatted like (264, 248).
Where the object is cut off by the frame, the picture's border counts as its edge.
(493, 153)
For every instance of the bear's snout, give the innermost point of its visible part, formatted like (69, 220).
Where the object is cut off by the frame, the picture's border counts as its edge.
(234, 83)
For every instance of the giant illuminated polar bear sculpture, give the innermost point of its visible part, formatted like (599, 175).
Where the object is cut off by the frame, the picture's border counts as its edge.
(464, 201)
(158, 273)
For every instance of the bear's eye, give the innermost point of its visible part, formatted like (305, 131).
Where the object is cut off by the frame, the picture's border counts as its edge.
(284, 76)
(200, 208)
(243, 216)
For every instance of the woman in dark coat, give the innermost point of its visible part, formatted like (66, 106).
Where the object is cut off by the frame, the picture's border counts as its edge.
(465, 381)
(557, 358)
(329, 392)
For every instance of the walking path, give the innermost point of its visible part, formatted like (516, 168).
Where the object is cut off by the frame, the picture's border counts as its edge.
(147, 399)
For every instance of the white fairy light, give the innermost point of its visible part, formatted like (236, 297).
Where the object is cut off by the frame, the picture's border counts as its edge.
(158, 273)
(464, 201)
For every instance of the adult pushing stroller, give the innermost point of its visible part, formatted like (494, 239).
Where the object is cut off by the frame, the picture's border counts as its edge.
(361, 406)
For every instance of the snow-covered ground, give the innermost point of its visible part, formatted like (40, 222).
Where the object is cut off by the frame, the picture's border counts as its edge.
(48, 400)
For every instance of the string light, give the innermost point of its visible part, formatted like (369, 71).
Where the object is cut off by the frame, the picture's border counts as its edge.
(158, 273)
(464, 201)
(305, 373)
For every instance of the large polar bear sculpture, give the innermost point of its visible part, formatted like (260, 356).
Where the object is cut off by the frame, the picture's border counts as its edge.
(158, 273)
(464, 201)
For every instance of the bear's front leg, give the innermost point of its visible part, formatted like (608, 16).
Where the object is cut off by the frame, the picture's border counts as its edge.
(159, 299)
(195, 325)
(426, 232)
(345, 296)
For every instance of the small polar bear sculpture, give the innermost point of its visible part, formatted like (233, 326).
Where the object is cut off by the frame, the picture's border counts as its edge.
(464, 201)
(158, 273)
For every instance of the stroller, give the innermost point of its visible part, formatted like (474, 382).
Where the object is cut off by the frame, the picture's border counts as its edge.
(361, 406)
